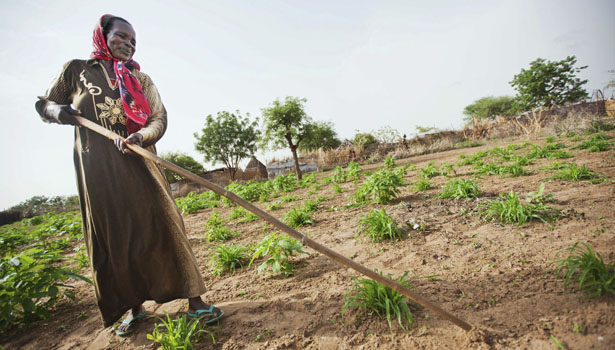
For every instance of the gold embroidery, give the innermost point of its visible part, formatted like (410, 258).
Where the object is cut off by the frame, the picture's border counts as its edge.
(112, 110)
(93, 89)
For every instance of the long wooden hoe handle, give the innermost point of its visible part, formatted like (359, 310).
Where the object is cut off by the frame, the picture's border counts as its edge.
(340, 259)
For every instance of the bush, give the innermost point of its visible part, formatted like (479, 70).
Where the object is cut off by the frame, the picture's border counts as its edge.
(184, 161)
(364, 139)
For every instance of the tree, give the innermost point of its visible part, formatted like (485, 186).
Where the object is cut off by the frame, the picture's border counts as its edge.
(227, 139)
(183, 160)
(547, 84)
(319, 135)
(286, 124)
(490, 107)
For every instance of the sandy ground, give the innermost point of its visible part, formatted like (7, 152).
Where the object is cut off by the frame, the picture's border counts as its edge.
(496, 277)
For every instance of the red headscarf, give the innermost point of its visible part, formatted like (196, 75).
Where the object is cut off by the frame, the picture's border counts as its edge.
(133, 99)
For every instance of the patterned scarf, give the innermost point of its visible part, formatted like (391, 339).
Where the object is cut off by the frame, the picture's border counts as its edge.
(133, 99)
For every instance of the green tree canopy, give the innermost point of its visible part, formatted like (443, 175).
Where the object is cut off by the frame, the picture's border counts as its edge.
(547, 83)
(183, 160)
(489, 107)
(319, 135)
(285, 124)
(228, 138)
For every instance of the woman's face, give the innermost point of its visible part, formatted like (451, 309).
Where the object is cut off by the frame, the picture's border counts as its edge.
(122, 40)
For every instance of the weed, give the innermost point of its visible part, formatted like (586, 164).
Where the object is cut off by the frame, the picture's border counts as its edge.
(539, 196)
(227, 258)
(511, 210)
(378, 225)
(587, 269)
(573, 172)
(460, 188)
(422, 184)
(353, 171)
(178, 333)
(550, 139)
(549, 151)
(380, 187)
(238, 213)
(597, 143)
(374, 297)
(310, 206)
(278, 249)
(297, 217)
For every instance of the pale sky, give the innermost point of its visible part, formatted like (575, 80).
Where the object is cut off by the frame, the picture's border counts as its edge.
(360, 64)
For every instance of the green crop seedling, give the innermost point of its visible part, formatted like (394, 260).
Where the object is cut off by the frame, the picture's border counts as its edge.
(378, 226)
(587, 269)
(380, 187)
(297, 217)
(277, 250)
(178, 333)
(460, 188)
(511, 210)
(573, 172)
(372, 297)
(216, 231)
(597, 143)
(227, 258)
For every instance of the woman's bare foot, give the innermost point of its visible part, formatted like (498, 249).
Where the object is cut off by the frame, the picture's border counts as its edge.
(128, 324)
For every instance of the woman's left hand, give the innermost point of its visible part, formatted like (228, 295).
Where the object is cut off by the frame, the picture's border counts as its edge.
(135, 139)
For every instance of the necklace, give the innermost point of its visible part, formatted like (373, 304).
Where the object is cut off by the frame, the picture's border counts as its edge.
(112, 84)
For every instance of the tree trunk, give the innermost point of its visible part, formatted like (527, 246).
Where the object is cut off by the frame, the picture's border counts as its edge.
(293, 149)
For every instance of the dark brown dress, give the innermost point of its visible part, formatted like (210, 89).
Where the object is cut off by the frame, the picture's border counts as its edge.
(133, 230)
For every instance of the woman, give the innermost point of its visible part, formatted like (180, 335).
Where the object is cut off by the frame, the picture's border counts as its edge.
(134, 233)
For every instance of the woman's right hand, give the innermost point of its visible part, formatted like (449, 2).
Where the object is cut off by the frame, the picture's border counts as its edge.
(64, 114)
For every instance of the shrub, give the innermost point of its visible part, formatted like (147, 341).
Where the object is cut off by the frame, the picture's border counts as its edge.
(378, 226)
(227, 258)
(588, 270)
(380, 187)
(460, 188)
(370, 296)
(364, 139)
(278, 249)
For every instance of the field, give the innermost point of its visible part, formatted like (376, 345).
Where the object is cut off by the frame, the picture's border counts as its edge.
(459, 253)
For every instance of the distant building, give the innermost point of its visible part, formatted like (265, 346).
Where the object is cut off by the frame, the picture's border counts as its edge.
(255, 170)
(287, 166)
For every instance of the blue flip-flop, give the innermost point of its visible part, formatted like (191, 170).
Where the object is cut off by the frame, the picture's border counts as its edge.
(130, 325)
(204, 312)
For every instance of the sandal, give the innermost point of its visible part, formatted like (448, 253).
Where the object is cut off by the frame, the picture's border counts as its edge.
(131, 325)
(202, 313)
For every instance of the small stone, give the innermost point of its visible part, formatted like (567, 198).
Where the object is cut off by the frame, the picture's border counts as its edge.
(600, 338)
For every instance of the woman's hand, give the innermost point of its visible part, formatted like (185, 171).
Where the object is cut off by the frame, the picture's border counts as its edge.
(63, 114)
(135, 139)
